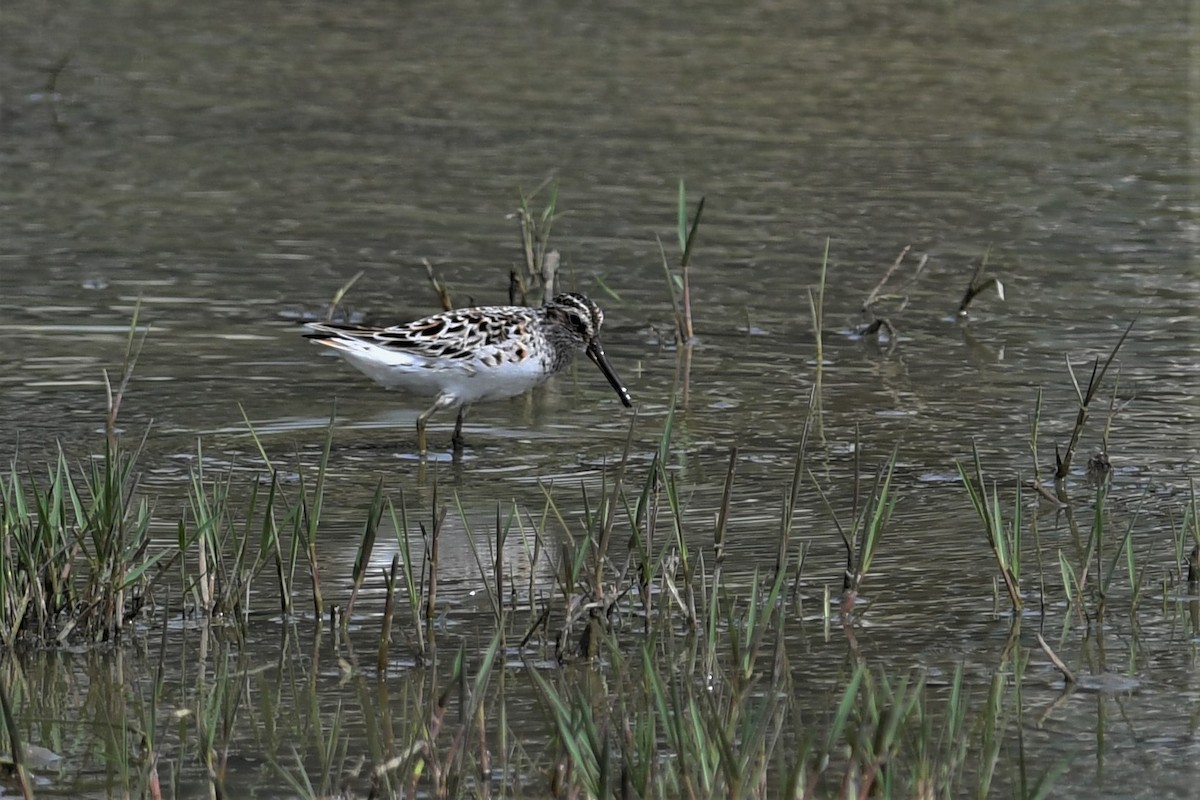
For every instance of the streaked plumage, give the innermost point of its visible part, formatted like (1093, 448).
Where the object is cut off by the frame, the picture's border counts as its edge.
(473, 354)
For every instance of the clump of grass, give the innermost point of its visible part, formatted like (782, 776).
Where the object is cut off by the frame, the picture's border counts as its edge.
(699, 703)
(76, 557)
(541, 264)
(230, 557)
(1003, 538)
(861, 540)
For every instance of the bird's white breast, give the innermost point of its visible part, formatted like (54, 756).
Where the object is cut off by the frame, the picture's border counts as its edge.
(485, 375)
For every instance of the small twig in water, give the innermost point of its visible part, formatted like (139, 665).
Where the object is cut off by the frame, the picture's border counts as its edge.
(1068, 676)
(875, 296)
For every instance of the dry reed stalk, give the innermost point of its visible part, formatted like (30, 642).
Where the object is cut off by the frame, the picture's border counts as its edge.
(439, 287)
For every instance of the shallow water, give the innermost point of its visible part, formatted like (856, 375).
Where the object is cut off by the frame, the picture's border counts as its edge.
(229, 167)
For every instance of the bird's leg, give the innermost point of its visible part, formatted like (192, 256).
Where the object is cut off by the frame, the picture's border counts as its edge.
(457, 441)
(443, 401)
(421, 420)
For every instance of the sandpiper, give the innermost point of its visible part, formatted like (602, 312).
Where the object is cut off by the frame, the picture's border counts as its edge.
(473, 354)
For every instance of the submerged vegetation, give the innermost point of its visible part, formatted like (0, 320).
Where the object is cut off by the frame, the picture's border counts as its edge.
(625, 658)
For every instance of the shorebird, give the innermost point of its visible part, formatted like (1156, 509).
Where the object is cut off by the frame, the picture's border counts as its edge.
(473, 354)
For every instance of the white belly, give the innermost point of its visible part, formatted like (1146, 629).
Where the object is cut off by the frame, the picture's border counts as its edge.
(468, 380)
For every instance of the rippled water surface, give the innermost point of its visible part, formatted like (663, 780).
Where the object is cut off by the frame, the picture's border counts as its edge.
(229, 166)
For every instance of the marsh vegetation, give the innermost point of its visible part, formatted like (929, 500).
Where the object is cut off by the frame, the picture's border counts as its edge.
(616, 651)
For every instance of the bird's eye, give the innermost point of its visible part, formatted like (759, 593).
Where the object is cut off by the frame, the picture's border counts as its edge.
(581, 326)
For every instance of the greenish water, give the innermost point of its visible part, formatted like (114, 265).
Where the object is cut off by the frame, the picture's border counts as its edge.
(229, 166)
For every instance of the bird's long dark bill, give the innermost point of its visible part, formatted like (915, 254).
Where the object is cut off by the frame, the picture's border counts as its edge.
(596, 353)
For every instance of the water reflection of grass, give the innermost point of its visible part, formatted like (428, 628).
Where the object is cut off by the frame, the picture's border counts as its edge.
(655, 671)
